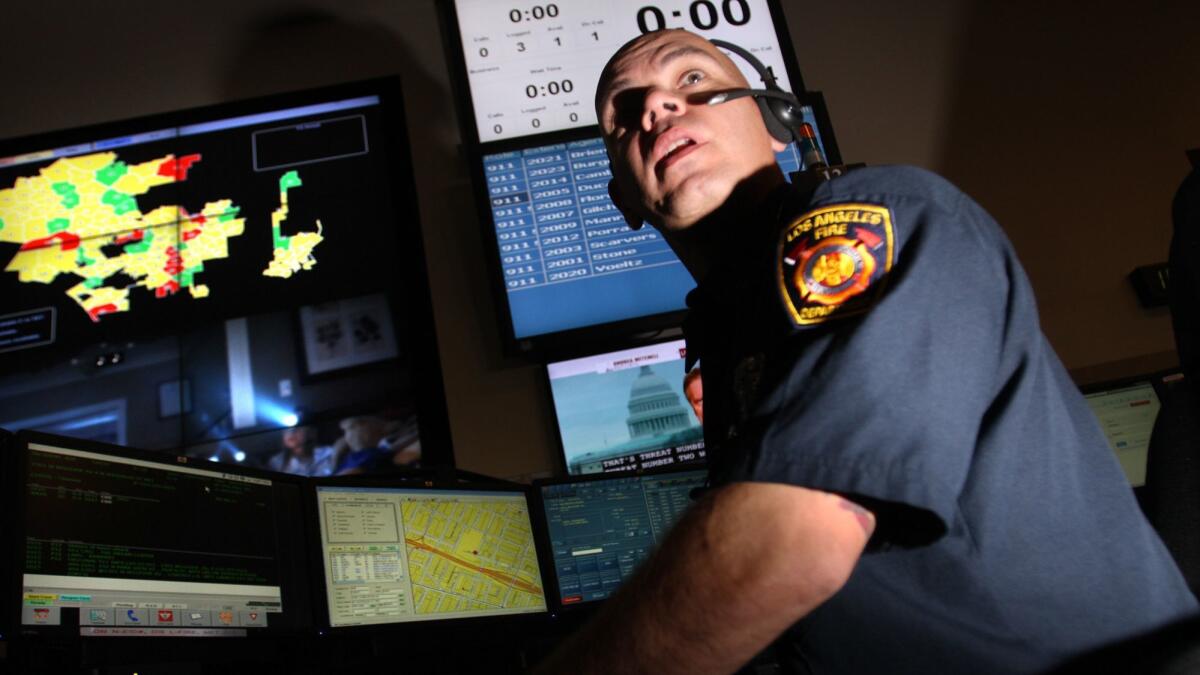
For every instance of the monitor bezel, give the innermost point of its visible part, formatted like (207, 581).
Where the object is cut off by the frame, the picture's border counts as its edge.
(14, 475)
(593, 337)
(420, 480)
(538, 484)
(408, 288)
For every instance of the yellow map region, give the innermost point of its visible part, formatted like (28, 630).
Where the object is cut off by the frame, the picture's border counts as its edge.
(470, 556)
(294, 253)
(80, 216)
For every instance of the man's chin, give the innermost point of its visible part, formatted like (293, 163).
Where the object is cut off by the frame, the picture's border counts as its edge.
(681, 212)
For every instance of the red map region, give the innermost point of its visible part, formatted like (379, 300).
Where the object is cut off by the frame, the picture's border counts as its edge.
(134, 236)
(178, 167)
(174, 262)
(169, 288)
(95, 312)
(67, 241)
(198, 219)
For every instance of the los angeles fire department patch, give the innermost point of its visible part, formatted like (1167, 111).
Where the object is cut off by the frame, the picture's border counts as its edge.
(832, 261)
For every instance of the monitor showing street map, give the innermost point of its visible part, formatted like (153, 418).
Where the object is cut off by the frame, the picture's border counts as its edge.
(404, 554)
(127, 228)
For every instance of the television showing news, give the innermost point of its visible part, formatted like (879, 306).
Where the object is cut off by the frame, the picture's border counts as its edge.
(403, 554)
(625, 410)
(602, 528)
(114, 542)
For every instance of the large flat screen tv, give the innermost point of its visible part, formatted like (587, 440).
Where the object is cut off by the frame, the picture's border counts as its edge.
(206, 278)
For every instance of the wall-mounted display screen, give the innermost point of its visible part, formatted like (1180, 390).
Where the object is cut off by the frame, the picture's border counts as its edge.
(126, 227)
(567, 258)
(201, 280)
(625, 410)
(394, 555)
(601, 530)
(532, 67)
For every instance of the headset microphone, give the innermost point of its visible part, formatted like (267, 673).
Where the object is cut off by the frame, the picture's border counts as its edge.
(783, 116)
(742, 93)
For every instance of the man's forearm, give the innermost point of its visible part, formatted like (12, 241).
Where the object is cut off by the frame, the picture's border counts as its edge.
(740, 567)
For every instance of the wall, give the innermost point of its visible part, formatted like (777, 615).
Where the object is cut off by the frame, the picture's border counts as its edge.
(1070, 128)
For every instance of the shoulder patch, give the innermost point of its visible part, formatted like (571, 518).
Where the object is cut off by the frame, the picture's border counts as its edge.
(832, 261)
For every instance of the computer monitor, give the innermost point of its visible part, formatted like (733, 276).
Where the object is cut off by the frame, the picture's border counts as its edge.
(393, 554)
(116, 542)
(1127, 410)
(109, 231)
(625, 410)
(230, 270)
(566, 273)
(602, 527)
(532, 70)
(565, 260)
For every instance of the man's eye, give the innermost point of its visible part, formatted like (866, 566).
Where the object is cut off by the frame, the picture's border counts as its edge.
(691, 77)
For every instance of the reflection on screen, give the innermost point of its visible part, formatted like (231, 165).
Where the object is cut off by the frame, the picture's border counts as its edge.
(601, 530)
(143, 545)
(396, 555)
(625, 410)
(567, 257)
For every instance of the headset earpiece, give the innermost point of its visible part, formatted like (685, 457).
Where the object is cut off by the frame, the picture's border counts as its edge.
(781, 114)
(779, 117)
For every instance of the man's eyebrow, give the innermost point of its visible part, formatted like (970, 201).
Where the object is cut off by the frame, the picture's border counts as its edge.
(680, 52)
(608, 89)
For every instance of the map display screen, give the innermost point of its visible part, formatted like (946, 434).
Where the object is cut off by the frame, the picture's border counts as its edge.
(213, 215)
(395, 555)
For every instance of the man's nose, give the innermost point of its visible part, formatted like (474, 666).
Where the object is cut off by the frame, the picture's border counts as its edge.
(661, 104)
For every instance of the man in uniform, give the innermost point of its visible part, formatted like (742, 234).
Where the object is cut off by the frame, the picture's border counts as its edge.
(905, 479)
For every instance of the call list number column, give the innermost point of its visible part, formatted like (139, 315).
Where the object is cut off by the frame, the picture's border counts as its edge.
(554, 221)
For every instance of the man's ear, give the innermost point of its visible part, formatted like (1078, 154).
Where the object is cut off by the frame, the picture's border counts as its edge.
(634, 221)
(778, 146)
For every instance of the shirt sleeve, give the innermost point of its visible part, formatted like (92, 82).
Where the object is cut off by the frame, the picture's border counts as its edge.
(887, 406)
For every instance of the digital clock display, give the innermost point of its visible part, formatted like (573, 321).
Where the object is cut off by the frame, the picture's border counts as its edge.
(532, 66)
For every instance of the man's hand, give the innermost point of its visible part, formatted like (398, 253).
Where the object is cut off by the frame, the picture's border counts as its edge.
(742, 565)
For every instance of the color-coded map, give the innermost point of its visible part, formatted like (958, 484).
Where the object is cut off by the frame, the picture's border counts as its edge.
(293, 253)
(470, 555)
(80, 216)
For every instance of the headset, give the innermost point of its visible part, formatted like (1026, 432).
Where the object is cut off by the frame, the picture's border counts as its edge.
(781, 111)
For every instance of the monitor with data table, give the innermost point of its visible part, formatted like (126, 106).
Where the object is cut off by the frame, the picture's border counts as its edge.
(601, 528)
(118, 542)
(394, 554)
